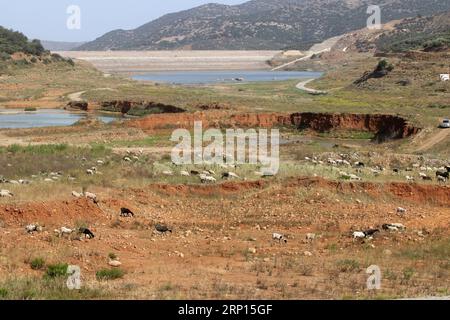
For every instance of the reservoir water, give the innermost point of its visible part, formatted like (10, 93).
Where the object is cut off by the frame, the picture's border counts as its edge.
(14, 119)
(211, 77)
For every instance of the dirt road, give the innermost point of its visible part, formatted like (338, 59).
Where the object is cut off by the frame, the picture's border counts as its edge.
(434, 140)
(302, 86)
(315, 49)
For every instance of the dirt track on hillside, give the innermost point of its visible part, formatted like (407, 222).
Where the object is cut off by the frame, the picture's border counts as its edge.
(434, 140)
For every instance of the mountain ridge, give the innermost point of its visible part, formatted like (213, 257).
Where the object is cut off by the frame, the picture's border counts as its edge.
(259, 25)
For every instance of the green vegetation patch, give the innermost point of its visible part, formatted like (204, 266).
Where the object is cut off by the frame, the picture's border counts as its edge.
(37, 264)
(56, 270)
(109, 274)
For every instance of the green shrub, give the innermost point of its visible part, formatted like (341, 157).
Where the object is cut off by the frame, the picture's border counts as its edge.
(38, 149)
(21, 62)
(3, 293)
(4, 56)
(56, 270)
(112, 256)
(37, 263)
(109, 274)
(30, 109)
(12, 41)
(384, 65)
(348, 265)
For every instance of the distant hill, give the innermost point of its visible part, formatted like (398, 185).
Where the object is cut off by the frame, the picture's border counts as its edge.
(61, 46)
(259, 24)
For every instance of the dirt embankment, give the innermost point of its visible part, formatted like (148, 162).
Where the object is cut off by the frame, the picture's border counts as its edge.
(51, 212)
(125, 107)
(419, 193)
(61, 212)
(385, 127)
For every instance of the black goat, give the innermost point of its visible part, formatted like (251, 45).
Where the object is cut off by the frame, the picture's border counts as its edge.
(371, 232)
(87, 233)
(125, 212)
(162, 228)
(443, 174)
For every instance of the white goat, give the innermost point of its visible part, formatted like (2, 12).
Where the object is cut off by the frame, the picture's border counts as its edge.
(358, 235)
(91, 196)
(63, 231)
(279, 237)
(207, 179)
(5, 193)
(76, 194)
(310, 236)
(31, 228)
(401, 210)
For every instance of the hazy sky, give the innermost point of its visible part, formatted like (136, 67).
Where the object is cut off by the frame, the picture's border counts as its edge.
(47, 19)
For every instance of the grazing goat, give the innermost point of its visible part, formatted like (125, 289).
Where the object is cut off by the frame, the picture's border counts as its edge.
(370, 232)
(207, 179)
(229, 175)
(6, 193)
(63, 231)
(185, 173)
(87, 233)
(444, 174)
(91, 196)
(76, 194)
(124, 212)
(358, 235)
(393, 226)
(310, 237)
(401, 210)
(279, 237)
(441, 179)
(162, 228)
(31, 228)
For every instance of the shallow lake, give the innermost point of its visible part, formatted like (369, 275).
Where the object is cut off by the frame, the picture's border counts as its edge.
(15, 119)
(211, 77)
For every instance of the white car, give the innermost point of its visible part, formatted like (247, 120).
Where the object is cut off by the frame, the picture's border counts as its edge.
(445, 124)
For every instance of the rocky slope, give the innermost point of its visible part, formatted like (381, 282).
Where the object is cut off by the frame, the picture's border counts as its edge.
(259, 24)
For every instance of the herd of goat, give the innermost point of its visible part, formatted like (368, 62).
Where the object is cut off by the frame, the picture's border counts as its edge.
(209, 176)
(442, 174)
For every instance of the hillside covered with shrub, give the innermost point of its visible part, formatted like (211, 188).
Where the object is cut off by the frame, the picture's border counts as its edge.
(12, 42)
(17, 51)
(431, 33)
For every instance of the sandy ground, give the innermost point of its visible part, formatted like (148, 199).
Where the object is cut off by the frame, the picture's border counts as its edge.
(146, 61)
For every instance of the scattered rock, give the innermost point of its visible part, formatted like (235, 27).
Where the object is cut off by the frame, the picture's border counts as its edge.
(115, 263)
